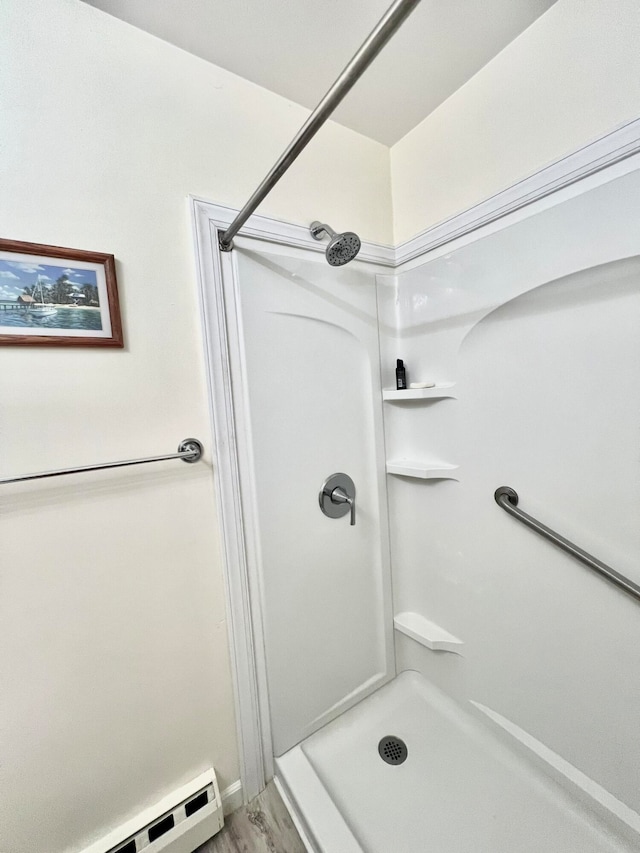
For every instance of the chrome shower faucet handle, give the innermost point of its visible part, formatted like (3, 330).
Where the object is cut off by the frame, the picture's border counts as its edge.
(338, 497)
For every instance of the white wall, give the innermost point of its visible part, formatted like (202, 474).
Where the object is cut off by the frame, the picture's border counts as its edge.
(573, 75)
(114, 660)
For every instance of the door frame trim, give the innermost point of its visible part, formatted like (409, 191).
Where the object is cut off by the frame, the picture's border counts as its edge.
(245, 666)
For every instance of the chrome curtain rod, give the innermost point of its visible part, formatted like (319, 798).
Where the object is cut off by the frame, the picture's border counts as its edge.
(189, 450)
(507, 498)
(380, 35)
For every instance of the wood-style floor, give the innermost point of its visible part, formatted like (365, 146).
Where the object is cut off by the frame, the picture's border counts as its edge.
(264, 826)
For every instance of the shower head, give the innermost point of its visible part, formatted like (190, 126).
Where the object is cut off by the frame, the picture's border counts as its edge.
(342, 248)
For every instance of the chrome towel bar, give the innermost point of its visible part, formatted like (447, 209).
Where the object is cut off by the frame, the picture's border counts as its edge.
(189, 450)
(507, 498)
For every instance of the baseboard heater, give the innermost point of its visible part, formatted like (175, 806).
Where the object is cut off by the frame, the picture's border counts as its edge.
(179, 823)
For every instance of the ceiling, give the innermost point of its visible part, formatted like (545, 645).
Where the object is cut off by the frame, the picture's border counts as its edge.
(297, 48)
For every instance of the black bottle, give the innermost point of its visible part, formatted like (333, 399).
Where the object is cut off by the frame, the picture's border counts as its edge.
(401, 376)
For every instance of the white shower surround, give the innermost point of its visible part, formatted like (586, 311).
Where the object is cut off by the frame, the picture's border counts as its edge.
(561, 180)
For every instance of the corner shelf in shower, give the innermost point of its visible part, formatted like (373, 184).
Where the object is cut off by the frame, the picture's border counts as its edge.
(427, 633)
(438, 392)
(422, 470)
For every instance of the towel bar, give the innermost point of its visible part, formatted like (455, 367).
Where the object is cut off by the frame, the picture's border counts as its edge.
(189, 450)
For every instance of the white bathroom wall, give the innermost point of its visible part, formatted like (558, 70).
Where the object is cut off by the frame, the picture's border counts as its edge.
(534, 320)
(114, 659)
(569, 78)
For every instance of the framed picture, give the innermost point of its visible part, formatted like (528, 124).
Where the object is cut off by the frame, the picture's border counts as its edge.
(57, 297)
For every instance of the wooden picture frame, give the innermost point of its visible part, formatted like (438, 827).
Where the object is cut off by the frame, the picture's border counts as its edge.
(52, 296)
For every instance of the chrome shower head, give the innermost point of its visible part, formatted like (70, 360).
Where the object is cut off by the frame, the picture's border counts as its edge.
(342, 248)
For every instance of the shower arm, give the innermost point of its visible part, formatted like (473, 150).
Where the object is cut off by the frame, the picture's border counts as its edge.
(319, 228)
(392, 19)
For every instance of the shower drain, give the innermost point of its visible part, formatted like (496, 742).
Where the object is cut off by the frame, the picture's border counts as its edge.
(392, 750)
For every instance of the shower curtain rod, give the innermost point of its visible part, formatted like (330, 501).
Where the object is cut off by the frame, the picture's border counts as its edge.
(392, 19)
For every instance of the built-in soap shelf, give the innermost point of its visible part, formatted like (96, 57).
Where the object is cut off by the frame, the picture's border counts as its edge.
(422, 470)
(427, 633)
(438, 392)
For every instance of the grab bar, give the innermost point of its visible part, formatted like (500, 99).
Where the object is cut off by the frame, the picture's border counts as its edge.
(189, 450)
(507, 498)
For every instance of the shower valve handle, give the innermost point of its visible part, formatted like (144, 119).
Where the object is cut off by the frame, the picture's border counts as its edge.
(339, 496)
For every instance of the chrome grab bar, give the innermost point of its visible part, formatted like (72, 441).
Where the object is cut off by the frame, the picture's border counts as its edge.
(507, 498)
(189, 450)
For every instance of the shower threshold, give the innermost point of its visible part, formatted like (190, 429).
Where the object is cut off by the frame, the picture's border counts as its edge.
(461, 789)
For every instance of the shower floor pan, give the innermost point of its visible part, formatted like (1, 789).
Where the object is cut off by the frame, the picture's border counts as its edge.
(461, 789)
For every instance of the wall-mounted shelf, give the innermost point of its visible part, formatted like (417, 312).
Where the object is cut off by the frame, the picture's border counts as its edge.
(427, 633)
(422, 470)
(438, 392)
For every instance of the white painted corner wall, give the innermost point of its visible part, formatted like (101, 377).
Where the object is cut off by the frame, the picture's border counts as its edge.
(114, 663)
(571, 77)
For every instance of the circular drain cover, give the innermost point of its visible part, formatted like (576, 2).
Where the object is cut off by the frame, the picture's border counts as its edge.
(392, 750)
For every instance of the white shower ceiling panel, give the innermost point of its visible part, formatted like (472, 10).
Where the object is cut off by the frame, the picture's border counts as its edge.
(298, 47)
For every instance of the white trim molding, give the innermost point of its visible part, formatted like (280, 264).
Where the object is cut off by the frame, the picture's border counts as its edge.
(613, 147)
(232, 798)
(241, 636)
(271, 230)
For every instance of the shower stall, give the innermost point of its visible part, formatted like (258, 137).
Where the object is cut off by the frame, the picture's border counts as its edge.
(436, 676)
(432, 590)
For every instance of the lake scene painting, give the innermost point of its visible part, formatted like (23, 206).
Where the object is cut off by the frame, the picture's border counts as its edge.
(36, 295)
(55, 296)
